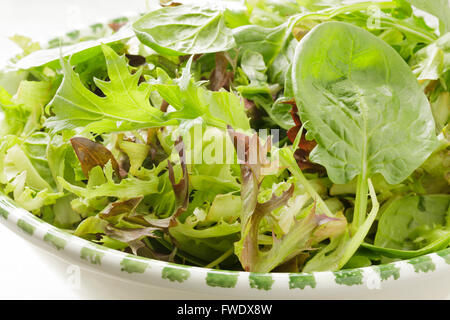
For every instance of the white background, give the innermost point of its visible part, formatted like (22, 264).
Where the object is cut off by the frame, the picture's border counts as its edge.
(25, 271)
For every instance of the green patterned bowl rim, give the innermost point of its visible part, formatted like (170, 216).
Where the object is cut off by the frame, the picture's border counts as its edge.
(164, 274)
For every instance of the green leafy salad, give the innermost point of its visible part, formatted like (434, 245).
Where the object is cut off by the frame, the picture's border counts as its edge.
(278, 135)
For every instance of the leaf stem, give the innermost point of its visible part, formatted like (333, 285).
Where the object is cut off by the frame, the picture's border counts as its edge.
(362, 231)
(287, 160)
(332, 12)
(220, 259)
(360, 203)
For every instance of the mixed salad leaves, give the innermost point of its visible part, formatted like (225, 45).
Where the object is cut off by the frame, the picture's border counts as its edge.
(285, 136)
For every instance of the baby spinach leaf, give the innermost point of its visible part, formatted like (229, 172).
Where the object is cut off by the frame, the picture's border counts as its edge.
(267, 41)
(412, 222)
(78, 52)
(125, 107)
(434, 246)
(252, 63)
(282, 63)
(275, 43)
(362, 104)
(187, 29)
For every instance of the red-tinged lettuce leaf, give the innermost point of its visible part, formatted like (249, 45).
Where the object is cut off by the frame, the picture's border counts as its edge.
(129, 235)
(249, 256)
(253, 157)
(251, 152)
(302, 236)
(132, 237)
(220, 77)
(180, 189)
(92, 154)
(121, 207)
(304, 148)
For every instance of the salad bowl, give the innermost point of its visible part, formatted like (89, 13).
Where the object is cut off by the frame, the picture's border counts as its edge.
(429, 270)
(396, 280)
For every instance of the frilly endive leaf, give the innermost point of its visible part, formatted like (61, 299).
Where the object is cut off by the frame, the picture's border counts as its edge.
(125, 107)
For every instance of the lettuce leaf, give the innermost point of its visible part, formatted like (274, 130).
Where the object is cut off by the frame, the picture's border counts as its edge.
(74, 106)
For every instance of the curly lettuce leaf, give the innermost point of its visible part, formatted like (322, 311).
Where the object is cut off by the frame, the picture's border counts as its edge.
(22, 114)
(433, 61)
(127, 188)
(438, 8)
(126, 105)
(191, 100)
(26, 174)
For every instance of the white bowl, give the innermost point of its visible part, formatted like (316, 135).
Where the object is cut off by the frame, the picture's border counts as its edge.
(408, 278)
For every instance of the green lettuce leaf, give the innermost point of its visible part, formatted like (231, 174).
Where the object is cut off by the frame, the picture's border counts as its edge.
(22, 114)
(191, 100)
(433, 61)
(126, 189)
(125, 107)
(438, 8)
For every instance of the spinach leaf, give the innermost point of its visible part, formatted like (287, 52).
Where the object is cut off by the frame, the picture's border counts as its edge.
(271, 13)
(412, 222)
(252, 63)
(282, 64)
(359, 101)
(434, 246)
(125, 107)
(266, 41)
(187, 29)
(77, 53)
(275, 41)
